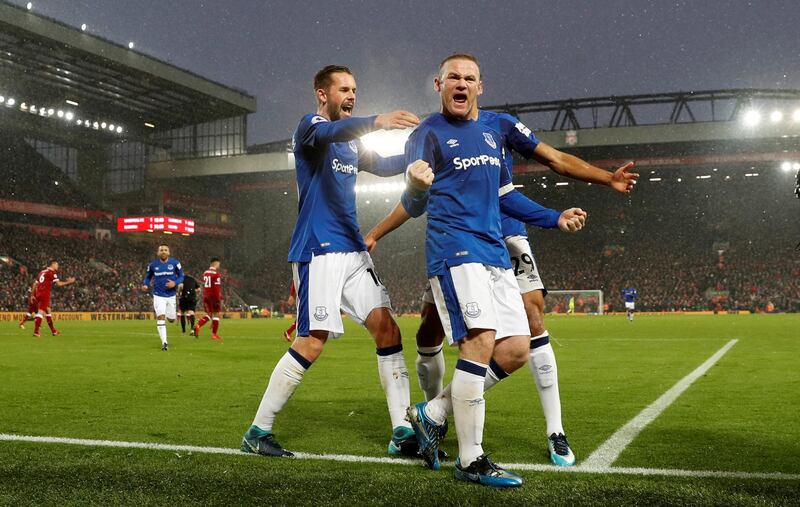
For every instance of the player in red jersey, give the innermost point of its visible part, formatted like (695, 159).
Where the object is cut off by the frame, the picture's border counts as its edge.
(287, 335)
(212, 299)
(41, 291)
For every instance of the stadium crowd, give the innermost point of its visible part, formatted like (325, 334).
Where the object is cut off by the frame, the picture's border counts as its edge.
(108, 274)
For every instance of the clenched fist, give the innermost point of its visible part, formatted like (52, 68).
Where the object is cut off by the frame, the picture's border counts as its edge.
(572, 220)
(420, 175)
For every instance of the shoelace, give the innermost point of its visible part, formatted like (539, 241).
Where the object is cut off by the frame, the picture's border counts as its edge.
(560, 445)
(487, 467)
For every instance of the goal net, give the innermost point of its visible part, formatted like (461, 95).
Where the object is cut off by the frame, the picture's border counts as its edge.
(583, 301)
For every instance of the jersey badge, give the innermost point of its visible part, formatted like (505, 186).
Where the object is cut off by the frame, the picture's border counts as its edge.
(353, 146)
(490, 140)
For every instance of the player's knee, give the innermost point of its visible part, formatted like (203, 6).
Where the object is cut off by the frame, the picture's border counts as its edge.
(430, 332)
(511, 358)
(534, 309)
(382, 327)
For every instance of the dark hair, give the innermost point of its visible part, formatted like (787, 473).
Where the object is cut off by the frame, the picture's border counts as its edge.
(322, 79)
(460, 56)
(51, 262)
(214, 259)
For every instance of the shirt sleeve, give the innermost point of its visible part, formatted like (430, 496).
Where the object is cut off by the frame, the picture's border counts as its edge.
(179, 279)
(517, 205)
(148, 276)
(316, 131)
(519, 138)
(371, 162)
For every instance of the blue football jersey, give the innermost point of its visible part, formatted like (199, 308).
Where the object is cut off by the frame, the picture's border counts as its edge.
(160, 273)
(463, 206)
(516, 137)
(629, 295)
(327, 157)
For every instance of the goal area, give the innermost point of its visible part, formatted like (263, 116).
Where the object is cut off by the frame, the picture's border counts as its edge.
(588, 301)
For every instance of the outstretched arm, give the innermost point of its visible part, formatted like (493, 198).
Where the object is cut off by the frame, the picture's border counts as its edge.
(69, 281)
(371, 162)
(621, 180)
(320, 130)
(517, 205)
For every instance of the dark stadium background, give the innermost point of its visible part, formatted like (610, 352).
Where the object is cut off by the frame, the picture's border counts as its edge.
(711, 226)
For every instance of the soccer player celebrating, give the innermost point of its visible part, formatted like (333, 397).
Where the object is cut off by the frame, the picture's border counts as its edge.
(41, 294)
(332, 270)
(166, 273)
(187, 302)
(476, 295)
(212, 299)
(629, 295)
(430, 361)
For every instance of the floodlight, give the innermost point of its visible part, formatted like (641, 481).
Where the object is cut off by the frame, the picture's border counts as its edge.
(119, 130)
(130, 45)
(111, 127)
(751, 118)
(2, 99)
(29, 6)
(11, 101)
(60, 113)
(796, 116)
(786, 166)
(68, 115)
(796, 166)
(50, 111)
(83, 27)
(103, 125)
(386, 142)
(775, 116)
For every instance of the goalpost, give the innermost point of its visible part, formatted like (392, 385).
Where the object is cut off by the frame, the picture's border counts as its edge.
(588, 301)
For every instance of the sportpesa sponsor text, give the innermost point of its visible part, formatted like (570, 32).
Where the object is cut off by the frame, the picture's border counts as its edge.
(467, 162)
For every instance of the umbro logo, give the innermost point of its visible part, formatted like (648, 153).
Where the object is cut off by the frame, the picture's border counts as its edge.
(453, 143)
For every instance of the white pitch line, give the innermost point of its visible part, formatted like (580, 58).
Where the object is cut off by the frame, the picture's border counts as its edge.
(349, 458)
(608, 452)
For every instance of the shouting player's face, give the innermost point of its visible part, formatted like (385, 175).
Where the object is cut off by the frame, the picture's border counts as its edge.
(459, 84)
(163, 252)
(339, 99)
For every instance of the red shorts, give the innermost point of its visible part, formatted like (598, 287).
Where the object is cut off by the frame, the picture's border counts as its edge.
(43, 301)
(212, 305)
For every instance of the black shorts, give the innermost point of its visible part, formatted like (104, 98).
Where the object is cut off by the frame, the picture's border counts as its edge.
(188, 304)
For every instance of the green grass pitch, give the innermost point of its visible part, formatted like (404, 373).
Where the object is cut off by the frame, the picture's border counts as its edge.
(110, 381)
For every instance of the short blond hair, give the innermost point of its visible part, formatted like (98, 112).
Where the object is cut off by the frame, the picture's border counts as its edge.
(460, 56)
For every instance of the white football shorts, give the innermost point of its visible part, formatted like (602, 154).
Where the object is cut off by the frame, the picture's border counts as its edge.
(475, 296)
(334, 283)
(164, 306)
(630, 305)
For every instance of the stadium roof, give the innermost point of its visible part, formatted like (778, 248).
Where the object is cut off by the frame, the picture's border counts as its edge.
(50, 62)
